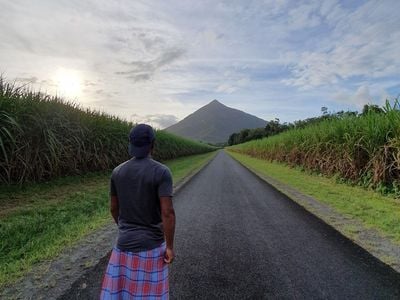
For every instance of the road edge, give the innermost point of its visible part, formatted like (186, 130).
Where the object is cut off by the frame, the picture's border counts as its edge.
(369, 239)
(75, 261)
(181, 183)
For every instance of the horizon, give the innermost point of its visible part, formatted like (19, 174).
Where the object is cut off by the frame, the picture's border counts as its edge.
(157, 63)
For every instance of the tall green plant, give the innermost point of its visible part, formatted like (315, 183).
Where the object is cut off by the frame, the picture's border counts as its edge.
(43, 136)
(363, 149)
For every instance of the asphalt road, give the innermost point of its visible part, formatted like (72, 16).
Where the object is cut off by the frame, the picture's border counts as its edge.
(238, 238)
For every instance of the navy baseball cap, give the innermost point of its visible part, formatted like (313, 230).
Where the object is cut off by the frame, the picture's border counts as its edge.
(140, 139)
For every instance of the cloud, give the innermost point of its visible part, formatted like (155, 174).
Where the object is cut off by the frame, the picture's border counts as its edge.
(151, 41)
(359, 45)
(29, 80)
(361, 97)
(140, 77)
(234, 83)
(145, 70)
(89, 83)
(156, 120)
(303, 16)
(226, 88)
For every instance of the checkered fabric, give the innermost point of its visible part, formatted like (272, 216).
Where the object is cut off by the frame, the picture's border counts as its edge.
(142, 275)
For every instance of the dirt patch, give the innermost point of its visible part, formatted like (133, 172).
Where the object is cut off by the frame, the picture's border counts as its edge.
(88, 286)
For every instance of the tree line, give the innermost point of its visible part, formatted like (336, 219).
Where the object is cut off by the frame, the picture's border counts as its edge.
(274, 127)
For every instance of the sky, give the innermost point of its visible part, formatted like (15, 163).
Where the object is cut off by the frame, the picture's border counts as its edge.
(158, 61)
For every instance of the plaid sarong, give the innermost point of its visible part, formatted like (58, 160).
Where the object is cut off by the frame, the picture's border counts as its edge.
(142, 275)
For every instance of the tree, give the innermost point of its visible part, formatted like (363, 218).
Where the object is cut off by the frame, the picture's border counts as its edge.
(243, 135)
(233, 139)
(272, 127)
(368, 108)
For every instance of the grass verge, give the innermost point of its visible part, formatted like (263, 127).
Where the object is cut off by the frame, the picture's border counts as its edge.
(38, 221)
(372, 209)
(184, 166)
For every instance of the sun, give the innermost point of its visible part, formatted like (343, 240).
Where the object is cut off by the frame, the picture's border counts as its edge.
(68, 82)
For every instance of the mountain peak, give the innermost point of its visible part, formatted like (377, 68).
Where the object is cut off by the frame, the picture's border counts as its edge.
(214, 123)
(215, 102)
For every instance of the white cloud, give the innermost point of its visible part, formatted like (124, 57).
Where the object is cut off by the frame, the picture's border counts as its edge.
(303, 16)
(225, 88)
(364, 43)
(361, 97)
(145, 70)
(158, 121)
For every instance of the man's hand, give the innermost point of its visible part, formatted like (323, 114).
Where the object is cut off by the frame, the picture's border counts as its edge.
(168, 218)
(169, 255)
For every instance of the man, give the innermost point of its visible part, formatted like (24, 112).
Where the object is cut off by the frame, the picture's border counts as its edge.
(141, 205)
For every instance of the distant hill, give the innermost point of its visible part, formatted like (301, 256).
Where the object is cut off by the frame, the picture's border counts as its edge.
(214, 123)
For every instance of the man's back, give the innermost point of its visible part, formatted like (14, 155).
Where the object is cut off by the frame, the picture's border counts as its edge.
(141, 205)
(138, 184)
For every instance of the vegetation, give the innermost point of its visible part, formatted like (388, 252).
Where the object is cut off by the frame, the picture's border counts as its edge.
(185, 166)
(42, 137)
(37, 221)
(274, 127)
(372, 209)
(362, 149)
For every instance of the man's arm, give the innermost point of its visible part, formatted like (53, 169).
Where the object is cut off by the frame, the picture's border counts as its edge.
(168, 219)
(114, 208)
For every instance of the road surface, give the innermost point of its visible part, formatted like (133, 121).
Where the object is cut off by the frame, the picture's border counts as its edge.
(238, 238)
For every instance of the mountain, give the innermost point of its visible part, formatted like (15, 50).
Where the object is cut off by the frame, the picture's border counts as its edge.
(214, 123)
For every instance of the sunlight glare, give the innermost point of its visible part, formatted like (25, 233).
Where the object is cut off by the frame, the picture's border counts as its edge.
(68, 82)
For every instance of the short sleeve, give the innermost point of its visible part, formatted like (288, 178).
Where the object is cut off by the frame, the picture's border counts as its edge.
(165, 188)
(113, 190)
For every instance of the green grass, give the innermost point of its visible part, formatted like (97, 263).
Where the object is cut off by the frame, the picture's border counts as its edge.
(37, 221)
(362, 149)
(181, 167)
(371, 208)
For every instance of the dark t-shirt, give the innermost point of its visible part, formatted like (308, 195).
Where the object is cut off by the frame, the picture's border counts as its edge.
(138, 184)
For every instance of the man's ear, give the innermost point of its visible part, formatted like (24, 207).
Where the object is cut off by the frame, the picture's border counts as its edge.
(152, 147)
